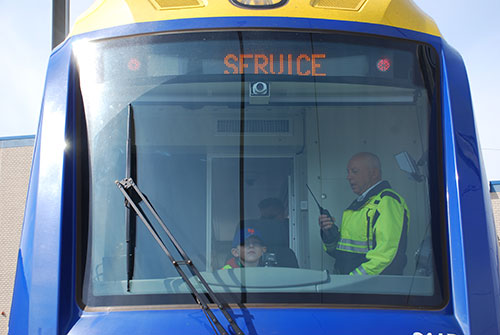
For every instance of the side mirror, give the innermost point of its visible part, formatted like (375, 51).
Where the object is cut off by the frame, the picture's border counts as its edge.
(407, 164)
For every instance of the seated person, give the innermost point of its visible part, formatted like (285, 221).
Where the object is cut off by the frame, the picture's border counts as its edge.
(274, 227)
(248, 248)
(276, 243)
(272, 209)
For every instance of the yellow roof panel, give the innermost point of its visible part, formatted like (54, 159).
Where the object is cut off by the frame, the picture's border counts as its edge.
(398, 13)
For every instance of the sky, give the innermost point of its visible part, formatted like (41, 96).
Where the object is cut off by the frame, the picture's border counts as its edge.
(471, 27)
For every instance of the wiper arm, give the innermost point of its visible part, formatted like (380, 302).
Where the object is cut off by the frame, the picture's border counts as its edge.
(130, 218)
(126, 186)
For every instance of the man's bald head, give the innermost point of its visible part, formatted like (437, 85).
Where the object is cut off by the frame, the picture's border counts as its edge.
(370, 160)
(363, 171)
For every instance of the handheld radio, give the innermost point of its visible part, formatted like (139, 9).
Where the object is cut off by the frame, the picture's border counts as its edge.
(322, 211)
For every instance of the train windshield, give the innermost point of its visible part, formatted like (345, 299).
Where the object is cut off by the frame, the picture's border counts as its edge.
(240, 141)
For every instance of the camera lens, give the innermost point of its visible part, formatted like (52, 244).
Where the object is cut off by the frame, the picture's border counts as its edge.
(259, 88)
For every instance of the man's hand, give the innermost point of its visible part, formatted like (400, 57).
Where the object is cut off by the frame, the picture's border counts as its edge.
(326, 222)
(329, 231)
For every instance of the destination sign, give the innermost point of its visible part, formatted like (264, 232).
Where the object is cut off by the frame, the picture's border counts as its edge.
(275, 64)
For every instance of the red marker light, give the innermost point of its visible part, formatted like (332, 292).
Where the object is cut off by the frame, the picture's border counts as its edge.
(383, 64)
(134, 64)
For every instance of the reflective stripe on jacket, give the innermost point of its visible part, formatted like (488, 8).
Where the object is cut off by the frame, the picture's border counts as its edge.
(373, 235)
(232, 263)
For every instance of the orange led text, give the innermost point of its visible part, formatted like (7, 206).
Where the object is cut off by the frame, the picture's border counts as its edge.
(278, 64)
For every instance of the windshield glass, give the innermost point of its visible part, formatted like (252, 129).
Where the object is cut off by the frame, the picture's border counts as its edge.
(241, 140)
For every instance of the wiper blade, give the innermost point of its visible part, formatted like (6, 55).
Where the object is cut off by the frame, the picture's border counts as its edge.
(130, 218)
(126, 186)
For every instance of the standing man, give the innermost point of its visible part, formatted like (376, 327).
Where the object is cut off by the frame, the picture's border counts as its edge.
(373, 235)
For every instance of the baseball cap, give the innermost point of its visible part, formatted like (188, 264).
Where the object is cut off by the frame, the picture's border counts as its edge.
(244, 233)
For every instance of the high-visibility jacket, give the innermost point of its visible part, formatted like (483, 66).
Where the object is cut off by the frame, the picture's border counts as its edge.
(233, 263)
(373, 235)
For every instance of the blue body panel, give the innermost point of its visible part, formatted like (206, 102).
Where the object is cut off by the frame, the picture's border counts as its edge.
(44, 297)
(271, 321)
(39, 256)
(474, 247)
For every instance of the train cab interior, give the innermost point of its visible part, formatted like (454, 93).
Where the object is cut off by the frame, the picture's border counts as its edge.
(207, 179)
(284, 152)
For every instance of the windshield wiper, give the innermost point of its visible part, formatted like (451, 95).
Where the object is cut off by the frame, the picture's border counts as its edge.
(130, 218)
(128, 186)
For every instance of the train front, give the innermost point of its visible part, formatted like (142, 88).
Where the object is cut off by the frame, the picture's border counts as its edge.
(186, 151)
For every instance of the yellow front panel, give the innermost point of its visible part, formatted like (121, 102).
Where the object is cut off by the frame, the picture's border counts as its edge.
(398, 13)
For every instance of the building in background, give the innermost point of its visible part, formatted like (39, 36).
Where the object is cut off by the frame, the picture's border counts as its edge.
(495, 204)
(15, 164)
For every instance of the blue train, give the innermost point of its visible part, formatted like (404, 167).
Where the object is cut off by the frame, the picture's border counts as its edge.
(189, 175)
